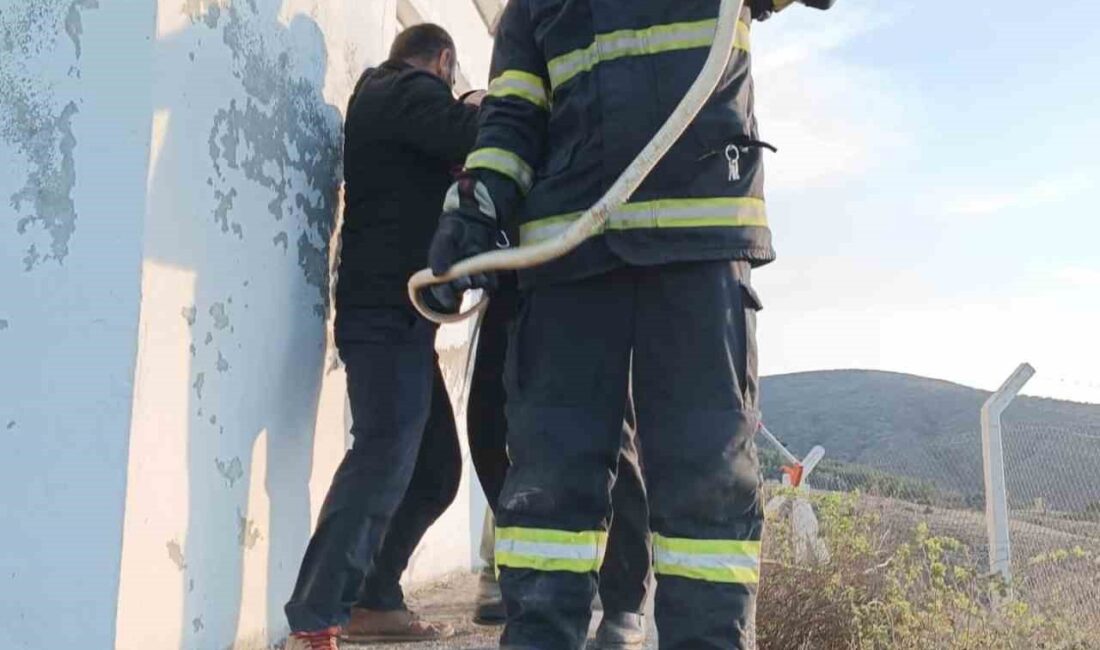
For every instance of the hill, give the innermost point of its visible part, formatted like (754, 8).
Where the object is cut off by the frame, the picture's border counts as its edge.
(929, 430)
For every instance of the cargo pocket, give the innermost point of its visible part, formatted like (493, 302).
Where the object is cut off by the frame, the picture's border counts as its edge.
(750, 382)
(513, 383)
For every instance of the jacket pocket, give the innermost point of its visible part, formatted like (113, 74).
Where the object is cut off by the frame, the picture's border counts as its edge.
(379, 325)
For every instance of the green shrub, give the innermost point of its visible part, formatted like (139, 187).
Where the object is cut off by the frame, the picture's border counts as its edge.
(883, 589)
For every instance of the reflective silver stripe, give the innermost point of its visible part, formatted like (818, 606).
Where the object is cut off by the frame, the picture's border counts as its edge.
(516, 83)
(652, 40)
(547, 550)
(504, 162)
(663, 213)
(656, 39)
(541, 230)
(729, 561)
(658, 214)
(567, 66)
(698, 561)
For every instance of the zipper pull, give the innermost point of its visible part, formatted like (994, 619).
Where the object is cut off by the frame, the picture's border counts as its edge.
(733, 155)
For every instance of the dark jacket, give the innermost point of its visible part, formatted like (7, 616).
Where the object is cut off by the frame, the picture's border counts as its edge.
(405, 135)
(578, 89)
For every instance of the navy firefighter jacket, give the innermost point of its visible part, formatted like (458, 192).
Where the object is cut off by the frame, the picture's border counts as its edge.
(578, 88)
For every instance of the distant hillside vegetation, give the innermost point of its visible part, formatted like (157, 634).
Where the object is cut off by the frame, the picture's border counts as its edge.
(929, 430)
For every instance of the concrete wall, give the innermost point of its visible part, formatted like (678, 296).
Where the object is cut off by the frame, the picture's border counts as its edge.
(74, 140)
(171, 406)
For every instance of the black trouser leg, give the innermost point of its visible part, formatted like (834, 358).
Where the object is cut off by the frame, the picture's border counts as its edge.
(431, 491)
(566, 375)
(624, 576)
(486, 424)
(390, 363)
(695, 389)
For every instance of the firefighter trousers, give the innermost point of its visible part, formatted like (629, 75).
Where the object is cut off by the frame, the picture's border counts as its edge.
(625, 575)
(681, 338)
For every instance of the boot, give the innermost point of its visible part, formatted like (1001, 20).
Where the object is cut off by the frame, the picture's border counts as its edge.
(620, 631)
(319, 640)
(367, 626)
(490, 603)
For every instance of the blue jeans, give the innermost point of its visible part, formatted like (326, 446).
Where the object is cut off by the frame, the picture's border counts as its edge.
(400, 475)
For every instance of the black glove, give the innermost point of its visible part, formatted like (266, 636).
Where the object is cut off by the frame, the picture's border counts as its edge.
(464, 230)
(763, 9)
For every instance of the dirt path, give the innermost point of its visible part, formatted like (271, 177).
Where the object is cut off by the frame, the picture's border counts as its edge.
(452, 600)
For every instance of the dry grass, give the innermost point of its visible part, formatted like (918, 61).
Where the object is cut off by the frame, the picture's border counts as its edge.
(892, 584)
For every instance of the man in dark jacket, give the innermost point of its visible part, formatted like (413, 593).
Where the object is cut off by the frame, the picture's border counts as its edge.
(660, 302)
(405, 134)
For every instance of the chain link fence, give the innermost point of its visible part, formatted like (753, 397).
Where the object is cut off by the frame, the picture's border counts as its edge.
(936, 489)
(1053, 478)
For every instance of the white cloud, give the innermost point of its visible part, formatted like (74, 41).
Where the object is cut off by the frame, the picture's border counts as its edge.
(1079, 276)
(830, 118)
(1041, 192)
(799, 34)
(970, 343)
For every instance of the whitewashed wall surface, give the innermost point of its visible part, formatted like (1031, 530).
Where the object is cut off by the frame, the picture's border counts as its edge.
(171, 405)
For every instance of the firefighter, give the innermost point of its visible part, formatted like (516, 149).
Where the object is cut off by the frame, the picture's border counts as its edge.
(661, 302)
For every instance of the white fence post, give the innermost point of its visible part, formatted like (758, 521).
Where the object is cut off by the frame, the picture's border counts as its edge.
(996, 495)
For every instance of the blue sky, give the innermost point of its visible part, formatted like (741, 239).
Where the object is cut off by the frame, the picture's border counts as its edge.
(934, 194)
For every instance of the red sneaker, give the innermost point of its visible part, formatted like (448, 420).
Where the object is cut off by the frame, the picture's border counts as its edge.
(319, 640)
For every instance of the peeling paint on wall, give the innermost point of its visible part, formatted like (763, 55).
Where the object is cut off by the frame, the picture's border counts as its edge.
(247, 532)
(218, 313)
(207, 11)
(222, 364)
(200, 380)
(225, 205)
(37, 123)
(175, 553)
(3, 324)
(74, 24)
(189, 314)
(231, 471)
(282, 136)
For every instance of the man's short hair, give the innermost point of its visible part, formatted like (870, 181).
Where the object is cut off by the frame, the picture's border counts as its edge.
(422, 42)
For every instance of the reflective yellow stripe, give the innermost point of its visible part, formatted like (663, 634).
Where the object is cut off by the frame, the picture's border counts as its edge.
(640, 42)
(780, 5)
(516, 83)
(550, 550)
(505, 162)
(662, 213)
(709, 560)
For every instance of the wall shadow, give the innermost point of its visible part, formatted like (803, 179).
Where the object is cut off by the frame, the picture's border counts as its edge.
(244, 194)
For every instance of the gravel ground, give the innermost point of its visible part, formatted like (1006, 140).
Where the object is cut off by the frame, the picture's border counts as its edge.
(452, 600)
